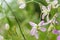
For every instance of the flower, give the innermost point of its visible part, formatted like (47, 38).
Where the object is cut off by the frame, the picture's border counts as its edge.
(6, 26)
(54, 3)
(45, 10)
(59, 31)
(34, 31)
(55, 31)
(22, 4)
(58, 37)
(1, 37)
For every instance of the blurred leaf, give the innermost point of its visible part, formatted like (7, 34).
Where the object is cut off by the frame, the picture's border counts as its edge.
(42, 2)
(53, 12)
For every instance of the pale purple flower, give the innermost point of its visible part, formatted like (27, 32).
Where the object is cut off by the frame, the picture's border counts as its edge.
(55, 31)
(32, 24)
(42, 28)
(59, 31)
(36, 35)
(34, 31)
(41, 23)
(58, 37)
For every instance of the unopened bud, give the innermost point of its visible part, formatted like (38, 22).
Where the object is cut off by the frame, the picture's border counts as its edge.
(22, 4)
(1, 37)
(7, 26)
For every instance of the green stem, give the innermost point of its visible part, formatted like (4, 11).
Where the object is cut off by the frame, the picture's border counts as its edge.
(16, 19)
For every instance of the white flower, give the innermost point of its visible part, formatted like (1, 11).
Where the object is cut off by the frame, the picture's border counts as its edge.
(7, 26)
(1, 37)
(0, 2)
(22, 5)
(48, 1)
(45, 10)
(54, 3)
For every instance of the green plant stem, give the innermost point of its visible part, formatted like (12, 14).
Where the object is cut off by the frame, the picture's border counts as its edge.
(16, 19)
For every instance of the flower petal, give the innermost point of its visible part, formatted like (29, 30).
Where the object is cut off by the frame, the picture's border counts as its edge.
(36, 36)
(58, 31)
(32, 24)
(55, 2)
(22, 5)
(41, 23)
(49, 7)
(43, 29)
(58, 38)
(55, 31)
(44, 8)
(33, 31)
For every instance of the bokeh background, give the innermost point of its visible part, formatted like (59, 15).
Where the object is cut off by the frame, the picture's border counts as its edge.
(18, 20)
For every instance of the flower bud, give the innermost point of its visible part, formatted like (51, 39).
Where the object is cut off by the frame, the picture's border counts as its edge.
(22, 4)
(1, 37)
(7, 26)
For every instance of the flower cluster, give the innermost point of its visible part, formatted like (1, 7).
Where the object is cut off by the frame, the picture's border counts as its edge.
(45, 13)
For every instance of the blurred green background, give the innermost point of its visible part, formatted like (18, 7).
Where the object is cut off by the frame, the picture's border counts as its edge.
(18, 19)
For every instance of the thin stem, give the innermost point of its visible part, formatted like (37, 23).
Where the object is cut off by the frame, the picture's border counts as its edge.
(47, 17)
(16, 19)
